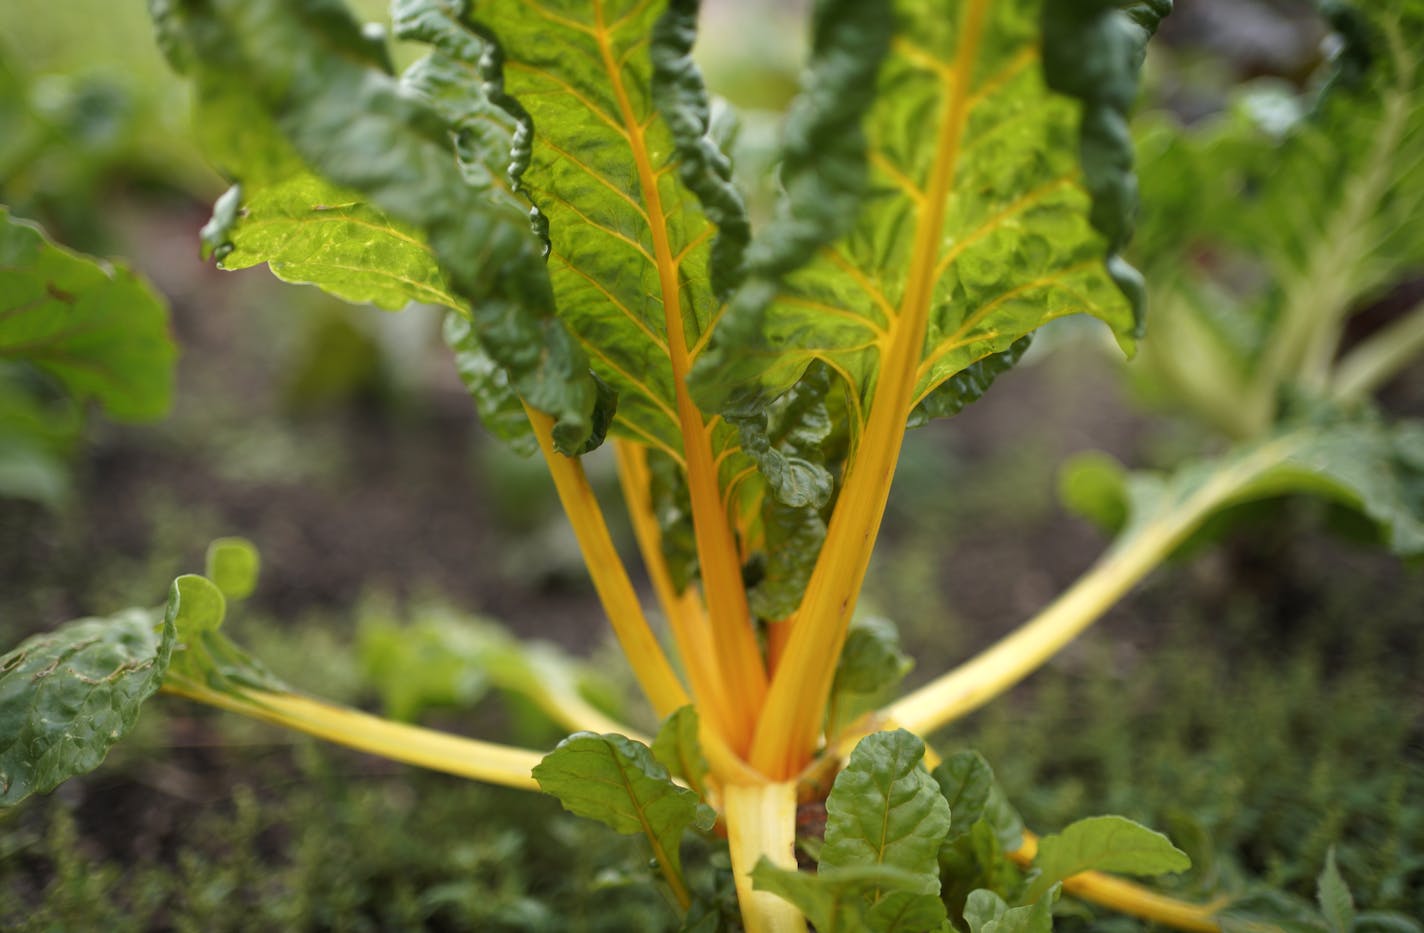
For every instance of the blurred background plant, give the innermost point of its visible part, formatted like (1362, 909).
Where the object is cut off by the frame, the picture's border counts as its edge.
(341, 441)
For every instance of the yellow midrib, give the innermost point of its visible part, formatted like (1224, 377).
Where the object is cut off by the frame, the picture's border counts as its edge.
(738, 655)
(791, 721)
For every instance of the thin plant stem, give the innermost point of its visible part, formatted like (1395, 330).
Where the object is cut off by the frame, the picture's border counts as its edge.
(414, 745)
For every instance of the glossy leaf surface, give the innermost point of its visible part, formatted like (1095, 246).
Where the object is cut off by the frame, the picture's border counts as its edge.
(67, 696)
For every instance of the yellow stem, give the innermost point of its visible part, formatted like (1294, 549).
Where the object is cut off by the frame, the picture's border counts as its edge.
(761, 821)
(1011, 659)
(687, 618)
(610, 578)
(426, 748)
(1128, 898)
(735, 641)
(791, 723)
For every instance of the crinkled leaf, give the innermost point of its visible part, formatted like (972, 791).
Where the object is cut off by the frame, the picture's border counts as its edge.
(97, 327)
(1103, 843)
(232, 566)
(1268, 225)
(836, 900)
(986, 912)
(309, 231)
(618, 782)
(979, 217)
(1334, 896)
(885, 809)
(967, 782)
(67, 696)
(289, 89)
(676, 748)
(488, 384)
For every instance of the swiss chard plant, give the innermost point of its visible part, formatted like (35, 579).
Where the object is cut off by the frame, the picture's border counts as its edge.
(952, 177)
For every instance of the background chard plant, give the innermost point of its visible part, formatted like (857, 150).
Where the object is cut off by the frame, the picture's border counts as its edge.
(952, 177)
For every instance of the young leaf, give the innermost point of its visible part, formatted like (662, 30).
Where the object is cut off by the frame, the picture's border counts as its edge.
(986, 912)
(1334, 896)
(617, 781)
(885, 809)
(870, 666)
(967, 782)
(1103, 843)
(296, 88)
(202, 653)
(232, 565)
(907, 912)
(98, 328)
(836, 900)
(676, 748)
(67, 696)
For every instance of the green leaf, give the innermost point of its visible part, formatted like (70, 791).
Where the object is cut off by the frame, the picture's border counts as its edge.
(1253, 278)
(978, 860)
(1103, 843)
(870, 666)
(202, 653)
(232, 566)
(907, 912)
(294, 89)
(836, 900)
(616, 781)
(885, 810)
(309, 231)
(37, 435)
(1334, 896)
(872, 659)
(986, 912)
(1094, 485)
(98, 328)
(977, 214)
(1360, 462)
(67, 696)
(967, 783)
(676, 748)
(444, 659)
